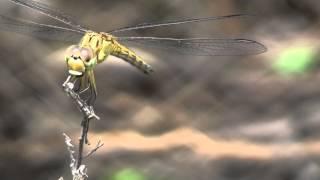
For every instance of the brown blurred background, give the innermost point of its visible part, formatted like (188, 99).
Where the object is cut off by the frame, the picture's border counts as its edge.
(204, 118)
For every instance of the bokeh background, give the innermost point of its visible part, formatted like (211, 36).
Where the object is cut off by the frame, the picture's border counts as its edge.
(223, 118)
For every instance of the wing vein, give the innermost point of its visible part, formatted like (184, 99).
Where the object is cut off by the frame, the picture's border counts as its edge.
(177, 22)
(50, 12)
(200, 46)
(45, 31)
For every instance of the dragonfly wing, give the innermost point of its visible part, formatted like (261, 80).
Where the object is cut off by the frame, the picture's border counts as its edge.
(39, 30)
(200, 46)
(50, 12)
(177, 22)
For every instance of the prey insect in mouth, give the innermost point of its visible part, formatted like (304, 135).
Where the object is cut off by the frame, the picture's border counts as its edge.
(95, 47)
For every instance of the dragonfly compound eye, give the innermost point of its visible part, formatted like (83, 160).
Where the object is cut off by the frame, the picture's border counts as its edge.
(73, 51)
(86, 54)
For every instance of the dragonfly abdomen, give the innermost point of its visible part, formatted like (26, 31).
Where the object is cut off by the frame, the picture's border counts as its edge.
(130, 57)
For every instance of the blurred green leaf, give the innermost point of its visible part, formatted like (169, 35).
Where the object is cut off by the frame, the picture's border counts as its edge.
(128, 174)
(294, 60)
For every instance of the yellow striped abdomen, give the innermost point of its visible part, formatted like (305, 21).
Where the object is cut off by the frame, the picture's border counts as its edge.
(130, 57)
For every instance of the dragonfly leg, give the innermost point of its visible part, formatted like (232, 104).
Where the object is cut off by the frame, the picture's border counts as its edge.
(92, 97)
(84, 85)
(90, 94)
(77, 86)
(93, 89)
(84, 90)
(73, 79)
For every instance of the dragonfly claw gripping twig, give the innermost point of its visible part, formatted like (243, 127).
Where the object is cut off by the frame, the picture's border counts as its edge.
(87, 110)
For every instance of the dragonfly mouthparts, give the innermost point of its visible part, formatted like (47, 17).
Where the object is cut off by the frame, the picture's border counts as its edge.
(75, 73)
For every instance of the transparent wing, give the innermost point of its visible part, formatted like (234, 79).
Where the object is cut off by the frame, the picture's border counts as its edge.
(39, 30)
(200, 46)
(177, 22)
(50, 12)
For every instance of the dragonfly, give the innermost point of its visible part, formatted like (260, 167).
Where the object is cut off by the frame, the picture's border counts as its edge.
(92, 48)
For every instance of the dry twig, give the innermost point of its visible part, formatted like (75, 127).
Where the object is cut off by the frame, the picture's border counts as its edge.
(79, 171)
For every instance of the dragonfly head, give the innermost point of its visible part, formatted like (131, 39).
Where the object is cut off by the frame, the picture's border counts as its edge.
(79, 60)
